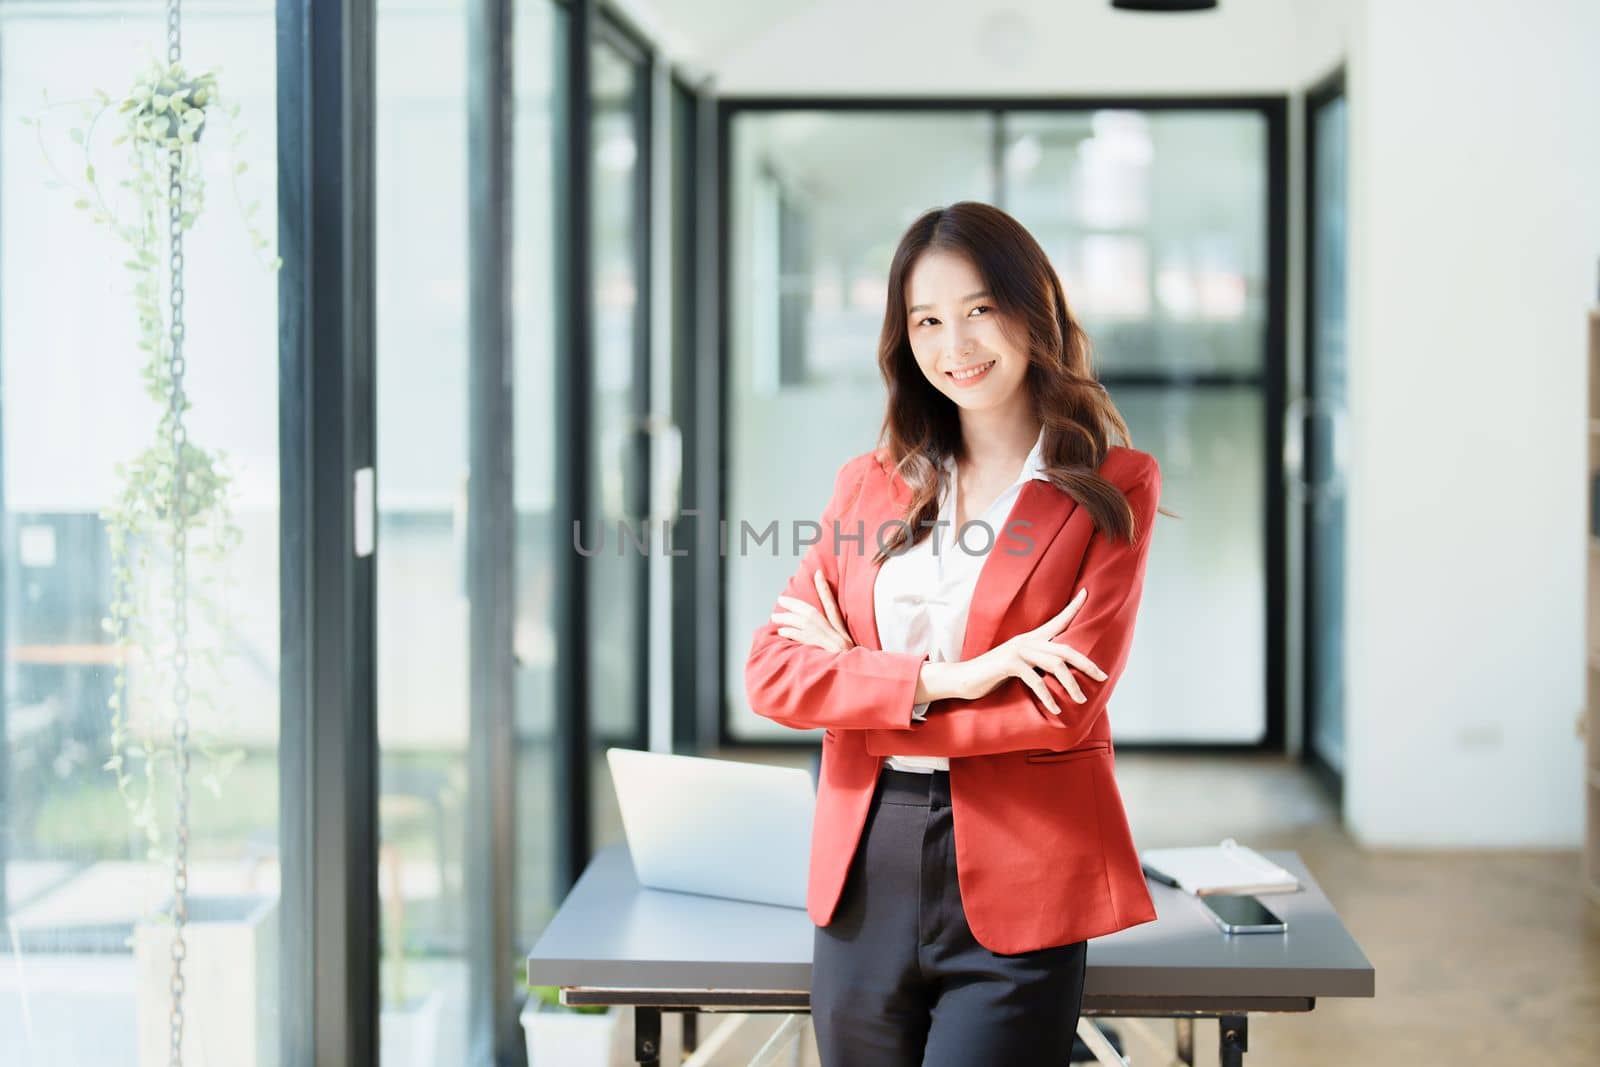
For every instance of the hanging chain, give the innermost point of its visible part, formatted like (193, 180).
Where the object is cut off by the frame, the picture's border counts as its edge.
(178, 514)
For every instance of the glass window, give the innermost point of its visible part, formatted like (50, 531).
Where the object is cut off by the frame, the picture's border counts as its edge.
(615, 520)
(815, 218)
(1156, 222)
(423, 609)
(540, 40)
(89, 812)
(1206, 571)
(1325, 461)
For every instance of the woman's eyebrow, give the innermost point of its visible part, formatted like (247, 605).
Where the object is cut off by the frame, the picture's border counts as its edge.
(914, 308)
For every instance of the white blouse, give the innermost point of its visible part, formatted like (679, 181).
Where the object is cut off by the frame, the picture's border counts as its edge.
(921, 596)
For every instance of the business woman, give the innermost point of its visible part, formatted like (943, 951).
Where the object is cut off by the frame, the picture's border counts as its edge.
(956, 631)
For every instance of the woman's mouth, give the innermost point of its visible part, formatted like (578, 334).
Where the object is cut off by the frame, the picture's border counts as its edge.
(971, 375)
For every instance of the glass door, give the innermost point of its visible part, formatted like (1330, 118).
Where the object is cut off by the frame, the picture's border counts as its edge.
(1159, 223)
(616, 520)
(1324, 462)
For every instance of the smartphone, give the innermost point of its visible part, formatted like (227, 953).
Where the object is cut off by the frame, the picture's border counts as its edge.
(1242, 914)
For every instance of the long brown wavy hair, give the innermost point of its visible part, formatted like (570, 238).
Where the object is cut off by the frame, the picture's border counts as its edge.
(921, 426)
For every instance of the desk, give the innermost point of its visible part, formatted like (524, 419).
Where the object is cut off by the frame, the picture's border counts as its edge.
(614, 942)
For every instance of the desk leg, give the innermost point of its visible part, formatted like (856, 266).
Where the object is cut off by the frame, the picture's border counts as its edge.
(691, 1031)
(1184, 1040)
(647, 1036)
(1233, 1040)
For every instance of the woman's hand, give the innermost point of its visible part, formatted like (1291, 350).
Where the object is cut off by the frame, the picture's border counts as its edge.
(1024, 655)
(805, 624)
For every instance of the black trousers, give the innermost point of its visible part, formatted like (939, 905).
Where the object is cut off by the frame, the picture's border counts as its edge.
(897, 979)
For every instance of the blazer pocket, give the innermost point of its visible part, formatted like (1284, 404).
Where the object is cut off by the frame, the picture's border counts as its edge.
(1045, 755)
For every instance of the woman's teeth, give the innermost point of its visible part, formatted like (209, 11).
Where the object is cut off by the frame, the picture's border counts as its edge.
(972, 374)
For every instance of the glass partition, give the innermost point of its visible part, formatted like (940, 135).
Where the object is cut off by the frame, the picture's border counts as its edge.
(423, 605)
(1325, 459)
(614, 521)
(815, 217)
(1156, 220)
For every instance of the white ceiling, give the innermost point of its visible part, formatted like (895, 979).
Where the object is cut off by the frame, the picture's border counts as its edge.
(703, 34)
(954, 47)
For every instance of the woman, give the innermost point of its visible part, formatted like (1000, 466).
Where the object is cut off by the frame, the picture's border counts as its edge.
(969, 837)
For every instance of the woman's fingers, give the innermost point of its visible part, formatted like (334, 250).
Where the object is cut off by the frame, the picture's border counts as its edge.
(802, 613)
(801, 607)
(1045, 660)
(806, 624)
(1078, 660)
(810, 635)
(804, 610)
(1036, 683)
(826, 596)
(1062, 617)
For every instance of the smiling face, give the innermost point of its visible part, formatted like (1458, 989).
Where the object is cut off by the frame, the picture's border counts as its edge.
(957, 337)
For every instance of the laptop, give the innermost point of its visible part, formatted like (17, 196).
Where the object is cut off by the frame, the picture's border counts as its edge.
(716, 827)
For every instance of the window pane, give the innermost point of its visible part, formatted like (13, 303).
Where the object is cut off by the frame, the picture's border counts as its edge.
(85, 964)
(1206, 572)
(815, 217)
(422, 606)
(1156, 222)
(617, 570)
(539, 39)
(1325, 467)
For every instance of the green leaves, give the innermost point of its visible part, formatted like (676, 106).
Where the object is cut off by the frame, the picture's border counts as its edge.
(156, 132)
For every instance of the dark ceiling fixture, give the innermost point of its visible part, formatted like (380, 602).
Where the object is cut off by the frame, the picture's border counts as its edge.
(1164, 5)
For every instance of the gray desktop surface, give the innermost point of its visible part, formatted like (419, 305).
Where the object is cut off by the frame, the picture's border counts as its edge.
(611, 932)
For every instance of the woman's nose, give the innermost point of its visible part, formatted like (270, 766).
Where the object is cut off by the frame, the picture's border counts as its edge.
(960, 342)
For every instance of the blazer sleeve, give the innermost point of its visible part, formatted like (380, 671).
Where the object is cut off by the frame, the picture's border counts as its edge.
(806, 687)
(1009, 717)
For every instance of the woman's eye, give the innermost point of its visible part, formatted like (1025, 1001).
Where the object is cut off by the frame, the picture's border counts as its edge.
(980, 307)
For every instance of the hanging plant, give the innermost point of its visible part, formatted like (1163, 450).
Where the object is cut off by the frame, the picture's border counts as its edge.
(172, 503)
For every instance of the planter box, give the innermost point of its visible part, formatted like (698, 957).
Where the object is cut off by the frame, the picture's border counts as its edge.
(230, 978)
(409, 1036)
(559, 1037)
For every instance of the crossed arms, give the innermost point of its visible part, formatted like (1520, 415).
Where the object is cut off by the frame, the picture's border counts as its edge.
(807, 687)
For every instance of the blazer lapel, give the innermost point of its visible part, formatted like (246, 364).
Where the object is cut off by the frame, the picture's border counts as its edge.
(883, 497)
(1038, 515)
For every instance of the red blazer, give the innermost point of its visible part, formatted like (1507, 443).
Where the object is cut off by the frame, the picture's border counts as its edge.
(1043, 852)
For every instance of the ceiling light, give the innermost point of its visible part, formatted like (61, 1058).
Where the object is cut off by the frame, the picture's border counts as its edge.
(1164, 5)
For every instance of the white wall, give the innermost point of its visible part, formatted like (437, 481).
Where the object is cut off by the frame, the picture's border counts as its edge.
(1473, 260)
(1322, 36)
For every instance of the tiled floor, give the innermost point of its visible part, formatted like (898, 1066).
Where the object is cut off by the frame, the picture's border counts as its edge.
(1488, 958)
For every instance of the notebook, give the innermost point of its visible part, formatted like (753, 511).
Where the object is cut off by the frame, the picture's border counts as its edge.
(1228, 867)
